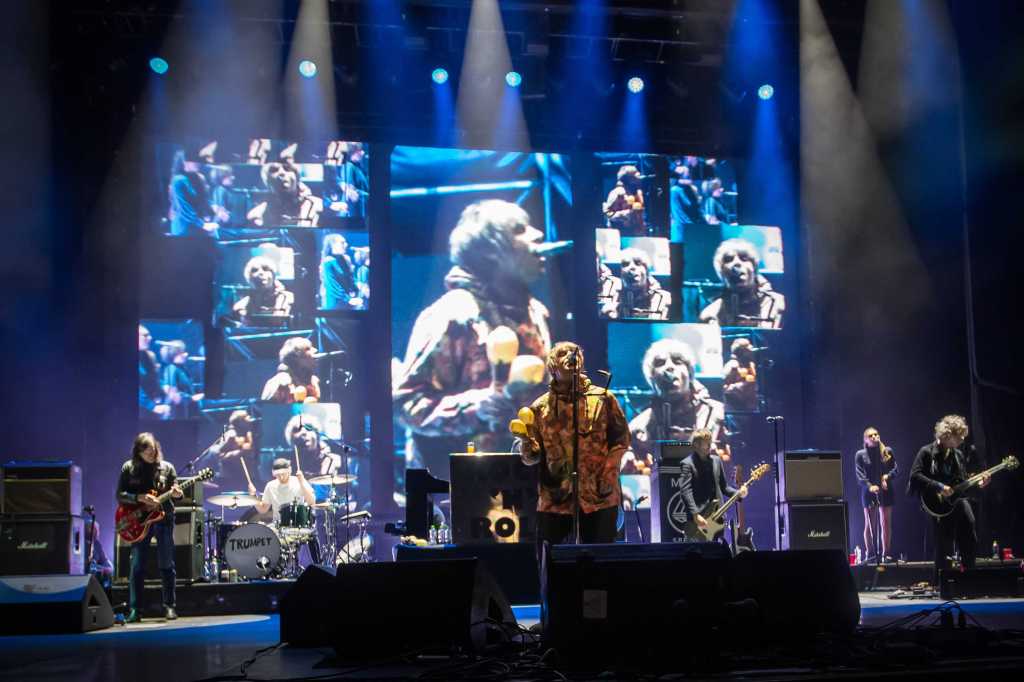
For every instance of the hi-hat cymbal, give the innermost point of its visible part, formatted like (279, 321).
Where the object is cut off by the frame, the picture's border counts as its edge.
(332, 479)
(237, 498)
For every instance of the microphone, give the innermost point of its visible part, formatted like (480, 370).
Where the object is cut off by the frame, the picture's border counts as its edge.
(502, 348)
(89, 509)
(774, 419)
(640, 500)
(551, 248)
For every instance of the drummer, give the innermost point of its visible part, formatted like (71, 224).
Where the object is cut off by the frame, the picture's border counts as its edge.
(286, 489)
(283, 489)
(303, 432)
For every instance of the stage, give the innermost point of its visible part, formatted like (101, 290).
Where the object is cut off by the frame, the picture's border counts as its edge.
(214, 647)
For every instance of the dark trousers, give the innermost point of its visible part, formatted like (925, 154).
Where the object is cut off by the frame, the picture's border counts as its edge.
(596, 527)
(959, 526)
(164, 534)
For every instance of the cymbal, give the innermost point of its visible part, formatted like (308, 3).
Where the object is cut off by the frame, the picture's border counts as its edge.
(236, 498)
(332, 479)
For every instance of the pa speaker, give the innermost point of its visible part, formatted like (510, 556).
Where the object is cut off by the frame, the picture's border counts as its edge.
(620, 602)
(306, 609)
(797, 593)
(45, 604)
(390, 608)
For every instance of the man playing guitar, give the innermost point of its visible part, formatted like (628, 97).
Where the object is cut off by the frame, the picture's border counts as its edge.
(702, 479)
(143, 477)
(937, 467)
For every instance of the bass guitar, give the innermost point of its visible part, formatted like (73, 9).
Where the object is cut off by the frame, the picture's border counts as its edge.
(938, 506)
(714, 513)
(132, 520)
(742, 535)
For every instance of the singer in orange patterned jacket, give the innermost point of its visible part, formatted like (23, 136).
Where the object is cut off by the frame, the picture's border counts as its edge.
(603, 439)
(447, 391)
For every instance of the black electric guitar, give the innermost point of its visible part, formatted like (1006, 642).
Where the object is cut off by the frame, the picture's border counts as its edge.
(939, 506)
(714, 513)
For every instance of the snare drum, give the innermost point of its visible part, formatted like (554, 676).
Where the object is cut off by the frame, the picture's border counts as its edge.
(254, 550)
(296, 519)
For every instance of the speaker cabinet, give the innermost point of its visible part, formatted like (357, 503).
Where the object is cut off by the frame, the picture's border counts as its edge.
(385, 609)
(811, 475)
(41, 488)
(42, 544)
(815, 526)
(666, 500)
(188, 550)
(39, 604)
(796, 594)
(616, 603)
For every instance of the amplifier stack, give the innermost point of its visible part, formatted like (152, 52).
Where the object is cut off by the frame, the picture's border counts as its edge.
(41, 528)
(813, 512)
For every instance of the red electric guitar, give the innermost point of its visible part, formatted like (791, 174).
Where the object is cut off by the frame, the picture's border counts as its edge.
(132, 521)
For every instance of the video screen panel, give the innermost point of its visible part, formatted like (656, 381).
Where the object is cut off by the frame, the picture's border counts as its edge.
(479, 293)
(172, 362)
(261, 183)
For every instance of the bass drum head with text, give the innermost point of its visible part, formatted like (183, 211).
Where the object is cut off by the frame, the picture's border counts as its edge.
(254, 550)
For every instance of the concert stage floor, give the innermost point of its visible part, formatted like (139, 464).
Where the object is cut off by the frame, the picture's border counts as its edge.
(214, 647)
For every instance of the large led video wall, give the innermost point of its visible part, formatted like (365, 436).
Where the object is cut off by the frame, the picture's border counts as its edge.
(263, 364)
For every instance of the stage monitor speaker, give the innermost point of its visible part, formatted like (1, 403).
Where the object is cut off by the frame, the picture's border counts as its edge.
(998, 579)
(42, 544)
(620, 603)
(797, 593)
(390, 608)
(45, 487)
(46, 604)
(513, 565)
(811, 475)
(306, 609)
(188, 550)
(815, 526)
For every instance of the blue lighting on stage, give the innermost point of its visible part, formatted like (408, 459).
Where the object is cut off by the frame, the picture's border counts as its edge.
(307, 68)
(159, 65)
(635, 84)
(765, 91)
(513, 78)
(462, 189)
(440, 76)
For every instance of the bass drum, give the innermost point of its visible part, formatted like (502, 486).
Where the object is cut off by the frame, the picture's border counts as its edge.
(254, 550)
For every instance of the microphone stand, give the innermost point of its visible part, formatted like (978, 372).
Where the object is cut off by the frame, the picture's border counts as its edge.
(574, 396)
(780, 517)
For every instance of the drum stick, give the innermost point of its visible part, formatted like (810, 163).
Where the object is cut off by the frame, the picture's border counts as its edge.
(246, 470)
(298, 469)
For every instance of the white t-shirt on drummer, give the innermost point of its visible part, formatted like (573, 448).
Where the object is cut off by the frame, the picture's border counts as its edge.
(277, 495)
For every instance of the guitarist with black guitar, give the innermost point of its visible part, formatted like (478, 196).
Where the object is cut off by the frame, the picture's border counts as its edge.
(143, 477)
(938, 468)
(702, 479)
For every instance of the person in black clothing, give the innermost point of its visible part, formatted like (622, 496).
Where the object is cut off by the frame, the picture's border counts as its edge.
(702, 478)
(876, 468)
(152, 401)
(144, 473)
(938, 466)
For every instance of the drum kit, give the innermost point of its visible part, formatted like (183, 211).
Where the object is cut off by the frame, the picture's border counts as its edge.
(255, 550)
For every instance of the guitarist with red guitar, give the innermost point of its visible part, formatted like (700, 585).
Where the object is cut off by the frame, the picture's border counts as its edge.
(143, 477)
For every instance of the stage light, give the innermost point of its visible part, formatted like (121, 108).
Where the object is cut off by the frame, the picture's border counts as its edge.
(635, 84)
(513, 79)
(440, 76)
(307, 68)
(159, 65)
(765, 91)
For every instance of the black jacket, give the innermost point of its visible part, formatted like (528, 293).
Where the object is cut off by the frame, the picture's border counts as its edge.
(138, 478)
(688, 473)
(928, 471)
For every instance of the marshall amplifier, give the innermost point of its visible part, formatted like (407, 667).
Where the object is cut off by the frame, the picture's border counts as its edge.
(494, 498)
(811, 475)
(188, 550)
(42, 544)
(815, 526)
(45, 487)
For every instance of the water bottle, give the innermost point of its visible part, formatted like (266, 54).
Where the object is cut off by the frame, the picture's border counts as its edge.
(444, 534)
(995, 549)
(432, 535)
(857, 554)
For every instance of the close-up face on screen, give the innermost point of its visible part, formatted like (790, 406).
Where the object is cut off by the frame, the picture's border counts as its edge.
(480, 272)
